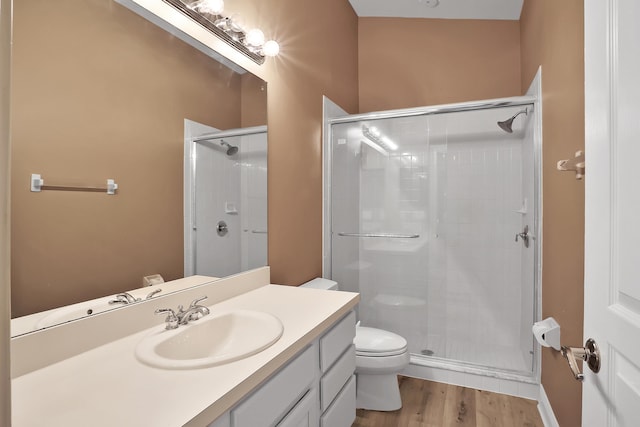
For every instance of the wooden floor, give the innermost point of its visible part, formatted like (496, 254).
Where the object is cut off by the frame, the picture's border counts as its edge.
(431, 404)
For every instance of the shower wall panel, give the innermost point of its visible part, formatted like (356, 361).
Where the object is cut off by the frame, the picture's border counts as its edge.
(217, 185)
(253, 196)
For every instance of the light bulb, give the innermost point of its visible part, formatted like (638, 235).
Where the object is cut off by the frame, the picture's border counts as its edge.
(271, 48)
(255, 37)
(389, 143)
(214, 7)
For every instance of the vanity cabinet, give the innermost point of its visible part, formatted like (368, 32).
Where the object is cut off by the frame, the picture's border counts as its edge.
(337, 378)
(315, 389)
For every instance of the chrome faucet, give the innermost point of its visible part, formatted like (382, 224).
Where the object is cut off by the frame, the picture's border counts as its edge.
(194, 312)
(124, 298)
(151, 294)
(183, 317)
(171, 319)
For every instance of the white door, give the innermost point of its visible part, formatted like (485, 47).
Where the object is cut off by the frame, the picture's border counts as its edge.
(612, 246)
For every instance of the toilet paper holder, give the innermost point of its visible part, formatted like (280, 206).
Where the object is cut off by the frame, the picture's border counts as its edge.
(547, 333)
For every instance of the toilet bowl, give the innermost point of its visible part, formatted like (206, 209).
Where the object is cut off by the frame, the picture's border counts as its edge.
(380, 356)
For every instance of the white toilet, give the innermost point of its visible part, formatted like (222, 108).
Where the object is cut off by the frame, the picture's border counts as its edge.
(380, 356)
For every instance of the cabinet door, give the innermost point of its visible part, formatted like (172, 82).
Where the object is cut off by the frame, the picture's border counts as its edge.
(304, 414)
(342, 412)
(267, 405)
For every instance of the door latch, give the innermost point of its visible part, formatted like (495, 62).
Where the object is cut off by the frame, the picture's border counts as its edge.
(590, 353)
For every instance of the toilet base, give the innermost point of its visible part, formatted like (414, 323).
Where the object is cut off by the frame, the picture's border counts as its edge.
(378, 392)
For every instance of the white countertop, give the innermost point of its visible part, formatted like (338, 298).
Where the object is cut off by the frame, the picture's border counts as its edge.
(108, 386)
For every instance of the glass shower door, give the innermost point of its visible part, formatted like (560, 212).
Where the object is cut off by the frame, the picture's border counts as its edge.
(424, 213)
(381, 222)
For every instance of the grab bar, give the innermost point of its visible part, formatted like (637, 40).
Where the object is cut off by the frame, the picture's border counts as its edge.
(385, 235)
(258, 232)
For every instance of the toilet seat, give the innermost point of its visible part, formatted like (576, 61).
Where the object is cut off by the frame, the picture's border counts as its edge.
(372, 342)
(381, 353)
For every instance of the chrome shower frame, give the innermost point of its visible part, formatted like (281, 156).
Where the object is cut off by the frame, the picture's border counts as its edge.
(533, 104)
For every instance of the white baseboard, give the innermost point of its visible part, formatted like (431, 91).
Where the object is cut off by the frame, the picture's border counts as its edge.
(546, 411)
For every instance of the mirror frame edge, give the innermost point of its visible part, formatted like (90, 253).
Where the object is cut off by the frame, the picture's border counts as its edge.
(210, 45)
(5, 264)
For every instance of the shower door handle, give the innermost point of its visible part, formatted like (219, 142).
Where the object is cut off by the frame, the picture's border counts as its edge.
(525, 236)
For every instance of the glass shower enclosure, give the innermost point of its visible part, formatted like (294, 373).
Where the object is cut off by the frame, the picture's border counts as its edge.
(225, 189)
(433, 219)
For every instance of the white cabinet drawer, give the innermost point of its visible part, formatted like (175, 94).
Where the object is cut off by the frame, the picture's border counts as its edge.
(304, 414)
(342, 412)
(333, 381)
(268, 405)
(334, 342)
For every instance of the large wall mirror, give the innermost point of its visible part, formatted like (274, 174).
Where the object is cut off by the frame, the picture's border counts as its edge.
(99, 92)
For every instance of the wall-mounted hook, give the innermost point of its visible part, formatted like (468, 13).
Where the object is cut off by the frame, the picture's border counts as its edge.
(576, 164)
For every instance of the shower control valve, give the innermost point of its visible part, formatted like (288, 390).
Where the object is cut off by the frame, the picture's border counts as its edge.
(222, 228)
(525, 236)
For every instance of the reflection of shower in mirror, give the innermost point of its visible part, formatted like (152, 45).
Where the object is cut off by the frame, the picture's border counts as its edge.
(231, 149)
(225, 179)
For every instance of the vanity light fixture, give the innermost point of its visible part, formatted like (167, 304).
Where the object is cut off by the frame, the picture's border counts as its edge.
(381, 141)
(209, 14)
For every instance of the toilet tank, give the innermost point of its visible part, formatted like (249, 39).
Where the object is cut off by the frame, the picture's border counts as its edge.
(321, 283)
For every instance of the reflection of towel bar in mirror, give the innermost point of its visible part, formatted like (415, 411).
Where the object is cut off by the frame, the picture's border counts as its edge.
(384, 235)
(37, 185)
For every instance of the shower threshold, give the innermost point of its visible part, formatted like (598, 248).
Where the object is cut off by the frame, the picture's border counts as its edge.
(440, 370)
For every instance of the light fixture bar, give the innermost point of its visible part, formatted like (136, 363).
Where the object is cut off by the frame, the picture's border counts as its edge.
(380, 140)
(211, 26)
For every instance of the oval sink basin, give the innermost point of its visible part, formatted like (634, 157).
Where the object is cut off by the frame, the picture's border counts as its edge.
(215, 339)
(73, 312)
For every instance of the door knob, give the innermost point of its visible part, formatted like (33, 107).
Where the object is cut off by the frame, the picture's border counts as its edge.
(590, 353)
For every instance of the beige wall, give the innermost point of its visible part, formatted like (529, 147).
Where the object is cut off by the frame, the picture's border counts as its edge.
(415, 62)
(553, 35)
(253, 101)
(100, 93)
(5, 288)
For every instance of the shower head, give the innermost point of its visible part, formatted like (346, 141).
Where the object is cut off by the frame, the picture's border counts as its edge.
(231, 149)
(507, 124)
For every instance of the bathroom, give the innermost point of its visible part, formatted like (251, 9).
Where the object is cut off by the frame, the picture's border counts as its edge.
(327, 50)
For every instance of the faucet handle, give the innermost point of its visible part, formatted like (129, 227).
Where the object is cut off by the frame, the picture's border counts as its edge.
(151, 294)
(171, 319)
(197, 300)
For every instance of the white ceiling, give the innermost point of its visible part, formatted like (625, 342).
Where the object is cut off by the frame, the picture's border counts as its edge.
(446, 9)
